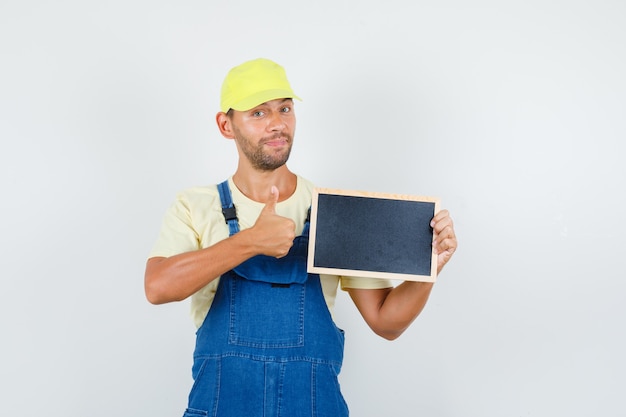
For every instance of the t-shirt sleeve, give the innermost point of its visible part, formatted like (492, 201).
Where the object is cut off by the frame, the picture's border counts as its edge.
(177, 233)
(364, 283)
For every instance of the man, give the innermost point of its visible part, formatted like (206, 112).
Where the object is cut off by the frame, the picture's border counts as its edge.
(266, 342)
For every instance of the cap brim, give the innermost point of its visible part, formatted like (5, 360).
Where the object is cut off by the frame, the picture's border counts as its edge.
(260, 98)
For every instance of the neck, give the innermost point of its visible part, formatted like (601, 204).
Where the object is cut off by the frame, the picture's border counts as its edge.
(256, 184)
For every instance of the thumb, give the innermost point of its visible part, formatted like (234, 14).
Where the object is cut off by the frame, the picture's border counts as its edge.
(270, 206)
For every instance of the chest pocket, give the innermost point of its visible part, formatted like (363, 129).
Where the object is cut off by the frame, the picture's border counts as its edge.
(266, 315)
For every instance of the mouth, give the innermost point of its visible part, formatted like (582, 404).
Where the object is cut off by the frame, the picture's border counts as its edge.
(276, 141)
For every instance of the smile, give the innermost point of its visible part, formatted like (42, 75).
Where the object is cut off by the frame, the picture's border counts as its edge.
(276, 142)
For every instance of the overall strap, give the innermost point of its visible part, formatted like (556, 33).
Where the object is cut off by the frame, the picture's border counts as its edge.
(228, 208)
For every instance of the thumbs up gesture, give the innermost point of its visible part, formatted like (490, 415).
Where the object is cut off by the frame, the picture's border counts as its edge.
(274, 234)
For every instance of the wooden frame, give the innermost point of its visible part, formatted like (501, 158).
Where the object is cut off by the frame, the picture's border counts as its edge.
(376, 235)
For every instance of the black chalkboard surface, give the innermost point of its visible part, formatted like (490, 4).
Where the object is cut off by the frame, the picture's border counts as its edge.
(362, 234)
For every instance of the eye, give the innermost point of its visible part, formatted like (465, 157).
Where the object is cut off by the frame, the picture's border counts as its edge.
(258, 113)
(285, 109)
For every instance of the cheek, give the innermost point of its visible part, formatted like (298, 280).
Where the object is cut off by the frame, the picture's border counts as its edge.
(253, 130)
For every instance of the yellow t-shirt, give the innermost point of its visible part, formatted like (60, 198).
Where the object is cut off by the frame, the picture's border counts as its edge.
(195, 221)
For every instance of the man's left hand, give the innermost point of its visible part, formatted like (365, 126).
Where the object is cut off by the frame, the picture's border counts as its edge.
(444, 239)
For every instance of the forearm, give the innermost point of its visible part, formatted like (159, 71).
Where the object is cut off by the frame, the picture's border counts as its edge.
(402, 306)
(177, 277)
(391, 311)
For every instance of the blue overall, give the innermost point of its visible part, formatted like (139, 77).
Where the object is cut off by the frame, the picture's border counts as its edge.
(268, 346)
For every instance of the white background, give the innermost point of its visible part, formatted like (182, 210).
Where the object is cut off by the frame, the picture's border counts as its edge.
(513, 113)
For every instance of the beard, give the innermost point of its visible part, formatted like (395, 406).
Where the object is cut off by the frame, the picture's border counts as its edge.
(260, 158)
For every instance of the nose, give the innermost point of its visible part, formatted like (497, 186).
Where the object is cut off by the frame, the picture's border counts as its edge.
(275, 122)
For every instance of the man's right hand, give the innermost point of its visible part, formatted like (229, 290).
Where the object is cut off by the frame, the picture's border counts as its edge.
(273, 234)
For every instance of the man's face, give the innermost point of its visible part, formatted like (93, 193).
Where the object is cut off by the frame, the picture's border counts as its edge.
(264, 134)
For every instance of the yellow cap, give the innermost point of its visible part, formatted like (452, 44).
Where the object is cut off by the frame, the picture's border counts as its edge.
(254, 82)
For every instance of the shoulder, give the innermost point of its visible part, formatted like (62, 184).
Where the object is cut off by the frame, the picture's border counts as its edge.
(193, 193)
(302, 195)
(304, 184)
(304, 188)
(195, 205)
(198, 196)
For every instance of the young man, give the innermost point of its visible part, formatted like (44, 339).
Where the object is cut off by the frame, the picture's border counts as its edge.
(266, 342)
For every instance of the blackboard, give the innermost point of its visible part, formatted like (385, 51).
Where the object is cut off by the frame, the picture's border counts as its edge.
(378, 235)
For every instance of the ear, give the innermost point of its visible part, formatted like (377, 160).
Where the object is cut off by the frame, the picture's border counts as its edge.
(224, 124)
